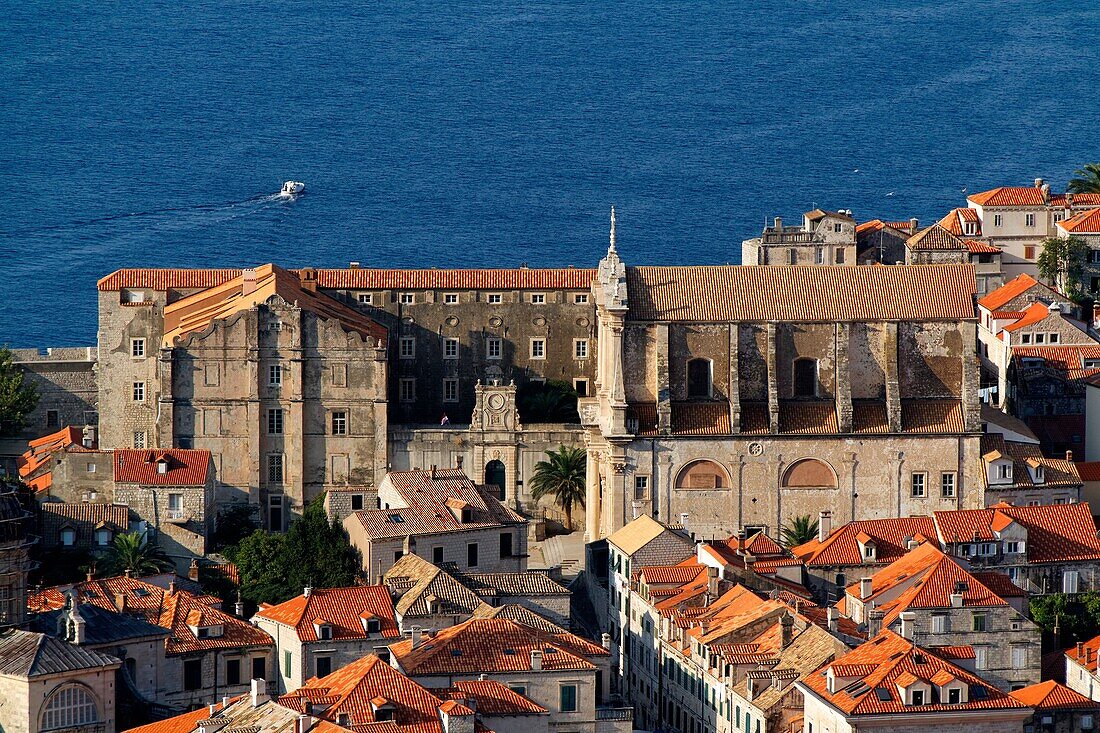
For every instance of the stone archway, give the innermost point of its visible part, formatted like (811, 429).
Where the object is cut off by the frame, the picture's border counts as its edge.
(496, 475)
(702, 474)
(809, 473)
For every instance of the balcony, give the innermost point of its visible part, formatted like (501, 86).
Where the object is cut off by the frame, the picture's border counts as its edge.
(614, 720)
(614, 713)
(177, 516)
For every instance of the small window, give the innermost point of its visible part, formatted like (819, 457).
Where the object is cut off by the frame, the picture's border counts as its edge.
(1025, 338)
(138, 393)
(450, 390)
(471, 555)
(580, 386)
(373, 626)
(175, 502)
(407, 389)
(538, 298)
(139, 439)
(89, 468)
(53, 419)
(580, 348)
(918, 697)
(939, 624)
(288, 660)
(1029, 220)
(568, 699)
(518, 689)
(259, 668)
(947, 484)
(919, 485)
(407, 298)
(978, 622)
(407, 347)
(324, 634)
(792, 256)
(275, 468)
(954, 696)
(493, 348)
(1029, 252)
(505, 544)
(1040, 338)
(1004, 471)
(981, 658)
(580, 298)
(275, 375)
(837, 228)
(997, 219)
(805, 377)
(495, 298)
(839, 259)
(641, 488)
(1069, 581)
(1019, 657)
(275, 421)
(1053, 338)
(538, 348)
(366, 298)
(340, 422)
(699, 378)
(819, 256)
(356, 502)
(437, 555)
(450, 298)
(68, 537)
(450, 348)
(137, 348)
(192, 674)
(233, 671)
(1086, 722)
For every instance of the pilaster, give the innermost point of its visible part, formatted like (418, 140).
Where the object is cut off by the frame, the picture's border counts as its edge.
(843, 378)
(971, 402)
(735, 381)
(890, 363)
(664, 395)
(773, 379)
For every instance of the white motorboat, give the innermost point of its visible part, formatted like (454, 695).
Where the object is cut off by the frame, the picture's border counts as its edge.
(292, 188)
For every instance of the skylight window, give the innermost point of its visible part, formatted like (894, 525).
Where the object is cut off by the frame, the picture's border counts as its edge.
(397, 519)
(883, 694)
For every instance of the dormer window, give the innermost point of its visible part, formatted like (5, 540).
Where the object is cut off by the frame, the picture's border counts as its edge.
(323, 629)
(868, 551)
(68, 537)
(103, 537)
(373, 626)
(916, 697)
(1004, 471)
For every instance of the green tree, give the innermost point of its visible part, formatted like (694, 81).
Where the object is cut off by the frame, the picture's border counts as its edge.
(550, 401)
(562, 477)
(18, 398)
(234, 523)
(134, 552)
(313, 552)
(1086, 180)
(1062, 263)
(798, 531)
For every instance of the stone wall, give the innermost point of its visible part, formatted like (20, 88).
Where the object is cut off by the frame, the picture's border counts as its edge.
(67, 391)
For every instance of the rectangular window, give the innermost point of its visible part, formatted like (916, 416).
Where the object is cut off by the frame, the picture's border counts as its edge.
(407, 298)
(840, 255)
(1052, 338)
(939, 624)
(1004, 471)
(1029, 220)
(947, 484)
(175, 502)
(275, 375)
(356, 502)
(139, 438)
(495, 298)
(471, 555)
(275, 421)
(580, 348)
(980, 657)
(580, 386)
(450, 298)
(192, 674)
(450, 390)
(53, 419)
(233, 671)
(340, 422)
(287, 663)
(407, 348)
(641, 488)
(407, 389)
(1029, 252)
(997, 220)
(493, 348)
(919, 484)
(819, 256)
(1014, 548)
(339, 375)
(324, 666)
(1019, 657)
(918, 697)
(450, 348)
(259, 668)
(90, 468)
(538, 348)
(505, 544)
(1069, 581)
(366, 298)
(137, 348)
(139, 392)
(568, 699)
(538, 298)
(1040, 338)
(275, 468)
(437, 555)
(1025, 338)
(580, 298)
(978, 622)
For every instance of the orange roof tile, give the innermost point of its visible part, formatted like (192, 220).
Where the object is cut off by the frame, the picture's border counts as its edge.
(1051, 695)
(341, 608)
(1035, 313)
(1055, 532)
(40, 453)
(1088, 470)
(1087, 222)
(977, 247)
(935, 238)
(493, 698)
(1009, 196)
(484, 279)
(701, 418)
(842, 548)
(803, 293)
(169, 279)
(185, 723)
(1007, 292)
(181, 467)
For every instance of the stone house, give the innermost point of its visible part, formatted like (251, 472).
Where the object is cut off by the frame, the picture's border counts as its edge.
(253, 711)
(442, 516)
(823, 238)
(741, 409)
(1082, 674)
(325, 629)
(1018, 473)
(891, 684)
(1058, 708)
(87, 527)
(935, 245)
(563, 673)
(50, 685)
(1047, 391)
(1086, 227)
(930, 599)
(883, 242)
(427, 596)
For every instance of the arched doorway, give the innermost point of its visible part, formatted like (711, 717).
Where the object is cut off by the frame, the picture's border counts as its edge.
(495, 475)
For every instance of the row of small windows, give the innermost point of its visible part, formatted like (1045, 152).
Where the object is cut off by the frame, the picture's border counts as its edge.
(700, 378)
(494, 348)
(819, 256)
(1040, 338)
(453, 298)
(919, 484)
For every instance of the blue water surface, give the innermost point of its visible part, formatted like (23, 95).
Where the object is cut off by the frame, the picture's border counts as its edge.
(488, 134)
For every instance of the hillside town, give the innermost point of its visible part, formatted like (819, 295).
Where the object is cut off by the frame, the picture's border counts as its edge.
(844, 486)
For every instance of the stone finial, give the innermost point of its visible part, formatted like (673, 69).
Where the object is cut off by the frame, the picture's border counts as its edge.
(611, 246)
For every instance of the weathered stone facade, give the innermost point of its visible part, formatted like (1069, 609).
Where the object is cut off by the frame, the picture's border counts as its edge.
(824, 238)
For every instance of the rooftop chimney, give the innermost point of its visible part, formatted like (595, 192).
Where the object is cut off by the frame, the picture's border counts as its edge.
(306, 592)
(171, 587)
(193, 570)
(308, 279)
(779, 223)
(824, 525)
(605, 640)
(914, 225)
(908, 622)
(353, 265)
(1069, 455)
(238, 607)
(414, 634)
(684, 521)
(89, 436)
(259, 692)
(1039, 183)
(249, 281)
(786, 629)
(536, 660)
(864, 589)
(833, 617)
(956, 600)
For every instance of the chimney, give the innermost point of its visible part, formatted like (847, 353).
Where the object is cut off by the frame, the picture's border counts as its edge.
(249, 281)
(824, 525)
(308, 279)
(259, 692)
(193, 570)
(353, 265)
(908, 622)
(238, 607)
(1080, 649)
(414, 634)
(120, 602)
(956, 600)
(1045, 188)
(684, 521)
(128, 573)
(306, 592)
(171, 587)
(536, 660)
(303, 723)
(832, 616)
(225, 701)
(605, 640)
(750, 689)
(211, 709)
(90, 575)
(1039, 183)
(89, 436)
(1069, 455)
(911, 543)
(914, 225)
(779, 223)
(635, 509)
(786, 630)
(432, 469)
(865, 589)
(712, 581)
(1069, 200)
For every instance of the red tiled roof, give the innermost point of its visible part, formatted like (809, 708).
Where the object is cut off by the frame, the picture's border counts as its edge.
(1089, 470)
(1035, 313)
(493, 698)
(174, 279)
(932, 416)
(1087, 654)
(185, 723)
(1066, 358)
(1009, 196)
(841, 547)
(804, 293)
(1051, 695)
(676, 574)
(183, 467)
(935, 238)
(505, 279)
(1007, 292)
(40, 452)
(880, 664)
(701, 418)
(1055, 532)
(1087, 222)
(977, 247)
(1056, 471)
(344, 609)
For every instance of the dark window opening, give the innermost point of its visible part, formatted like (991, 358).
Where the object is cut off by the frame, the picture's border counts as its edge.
(192, 674)
(805, 378)
(324, 666)
(699, 378)
(505, 544)
(471, 555)
(233, 671)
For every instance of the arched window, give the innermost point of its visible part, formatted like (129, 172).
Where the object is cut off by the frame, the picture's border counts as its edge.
(69, 707)
(495, 476)
(809, 473)
(699, 378)
(805, 377)
(702, 475)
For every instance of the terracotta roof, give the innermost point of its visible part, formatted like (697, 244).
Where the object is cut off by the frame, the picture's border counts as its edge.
(877, 666)
(185, 723)
(808, 417)
(1087, 222)
(182, 467)
(932, 416)
(801, 293)
(493, 698)
(1056, 471)
(1055, 532)
(670, 574)
(27, 654)
(1035, 313)
(1088, 470)
(493, 645)
(526, 583)
(935, 238)
(1009, 196)
(1051, 695)
(976, 247)
(351, 690)
(1070, 359)
(953, 221)
(889, 535)
(34, 464)
(415, 580)
(701, 418)
(901, 228)
(505, 279)
(1009, 291)
(426, 494)
(521, 615)
(344, 609)
(1087, 654)
(175, 279)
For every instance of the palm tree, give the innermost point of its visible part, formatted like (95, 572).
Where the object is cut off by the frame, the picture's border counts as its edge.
(562, 477)
(799, 530)
(1087, 181)
(134, 552)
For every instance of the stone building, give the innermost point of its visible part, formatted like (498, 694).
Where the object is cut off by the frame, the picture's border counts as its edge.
(935, 245)
(16, 540)
(883, 242)
(745, 396)
(1058, 708)
(823, 238)
(1086, 227)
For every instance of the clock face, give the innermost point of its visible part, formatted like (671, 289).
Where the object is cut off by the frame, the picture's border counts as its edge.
(496, 401)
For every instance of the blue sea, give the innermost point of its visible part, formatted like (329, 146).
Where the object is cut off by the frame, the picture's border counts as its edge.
(489, 134)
